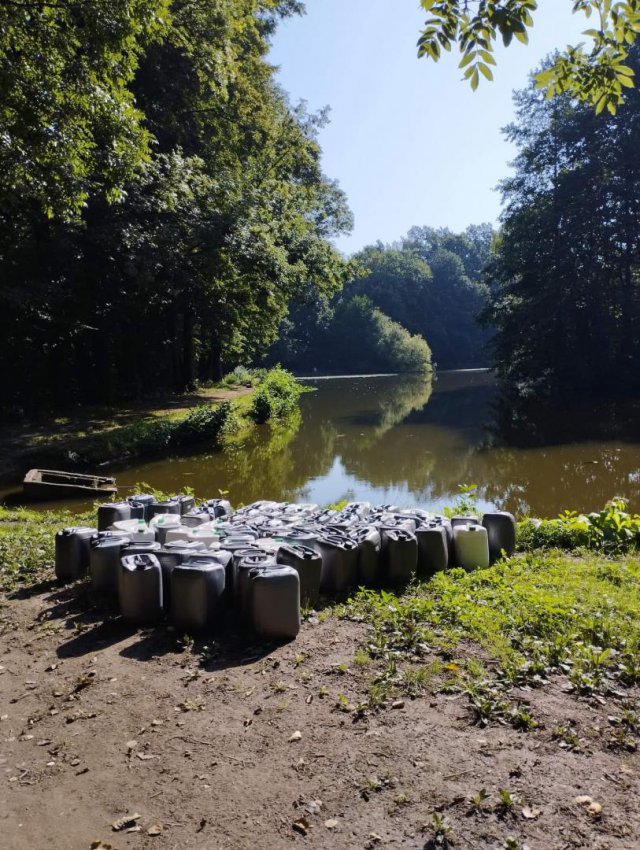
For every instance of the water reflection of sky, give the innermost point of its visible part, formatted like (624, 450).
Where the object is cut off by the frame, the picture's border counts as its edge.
(338, 484)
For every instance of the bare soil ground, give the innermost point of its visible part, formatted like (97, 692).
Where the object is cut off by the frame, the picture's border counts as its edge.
(99, 721)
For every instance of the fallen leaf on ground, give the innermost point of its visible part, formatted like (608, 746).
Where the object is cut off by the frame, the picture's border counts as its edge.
(127, 820)
(530, 813)
(301, 825)
(295, 737)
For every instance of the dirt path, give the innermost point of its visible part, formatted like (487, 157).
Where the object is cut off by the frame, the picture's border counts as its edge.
(98, 721)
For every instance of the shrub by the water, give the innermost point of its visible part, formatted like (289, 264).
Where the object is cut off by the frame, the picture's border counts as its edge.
(612, 529)
(243, 377)
(276, 396)
(203, 423)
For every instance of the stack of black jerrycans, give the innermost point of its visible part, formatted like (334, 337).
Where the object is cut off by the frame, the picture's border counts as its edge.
(203, 566)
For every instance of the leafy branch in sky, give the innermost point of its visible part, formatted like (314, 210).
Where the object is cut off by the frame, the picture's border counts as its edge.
(598, 75)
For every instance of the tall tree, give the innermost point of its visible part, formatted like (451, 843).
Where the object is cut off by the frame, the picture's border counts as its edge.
(222, 224)
(566, 301)
(69, 124)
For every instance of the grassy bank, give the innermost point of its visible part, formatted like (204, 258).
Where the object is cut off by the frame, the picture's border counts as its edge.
(566, 606)
(244, 398)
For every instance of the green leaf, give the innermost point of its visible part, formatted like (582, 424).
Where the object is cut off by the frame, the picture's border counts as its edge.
(485, 71)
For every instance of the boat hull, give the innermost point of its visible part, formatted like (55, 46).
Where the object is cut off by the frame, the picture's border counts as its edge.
(43, 484)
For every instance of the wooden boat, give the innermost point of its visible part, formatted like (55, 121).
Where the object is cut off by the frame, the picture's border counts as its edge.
(53, 484)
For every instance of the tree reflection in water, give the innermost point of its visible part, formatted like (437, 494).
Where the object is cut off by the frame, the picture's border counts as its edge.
(408, 440)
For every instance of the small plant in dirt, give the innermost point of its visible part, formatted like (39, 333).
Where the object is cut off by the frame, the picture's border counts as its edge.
(486, 704)
(631, 720)
(507, 803)
(185, 642)
(479, 801)
(521, 718)
(196, 704)
(377, 695)
(362, 658)
(512, 843)
(590, 668)
(343, 704)
(377, 784)
(441, 829)
(620, 739)
(414, 680)
(568, 739)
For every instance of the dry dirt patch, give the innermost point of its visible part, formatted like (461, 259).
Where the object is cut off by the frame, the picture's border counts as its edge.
(101, 722)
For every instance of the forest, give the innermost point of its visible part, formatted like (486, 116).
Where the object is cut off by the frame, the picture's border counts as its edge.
(180, 224)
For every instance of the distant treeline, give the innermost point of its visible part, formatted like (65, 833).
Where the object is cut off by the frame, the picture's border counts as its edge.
(428, 287)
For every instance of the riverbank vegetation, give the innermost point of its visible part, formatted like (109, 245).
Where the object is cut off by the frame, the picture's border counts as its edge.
(273, 395)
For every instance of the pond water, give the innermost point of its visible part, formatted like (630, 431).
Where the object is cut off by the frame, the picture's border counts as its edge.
(407, 441)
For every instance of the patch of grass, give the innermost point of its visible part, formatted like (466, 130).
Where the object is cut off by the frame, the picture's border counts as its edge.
(537, 614)
(27, 543)
(362, 658)
(275, 396)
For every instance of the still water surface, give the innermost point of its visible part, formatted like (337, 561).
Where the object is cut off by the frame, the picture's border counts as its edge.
(403, 440)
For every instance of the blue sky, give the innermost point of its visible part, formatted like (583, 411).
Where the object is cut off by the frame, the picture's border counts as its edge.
(408, 141)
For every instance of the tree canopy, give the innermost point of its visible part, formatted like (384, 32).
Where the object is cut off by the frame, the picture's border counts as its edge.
(121, 275)
(565, 279)
(430, 285)
(600, 75)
